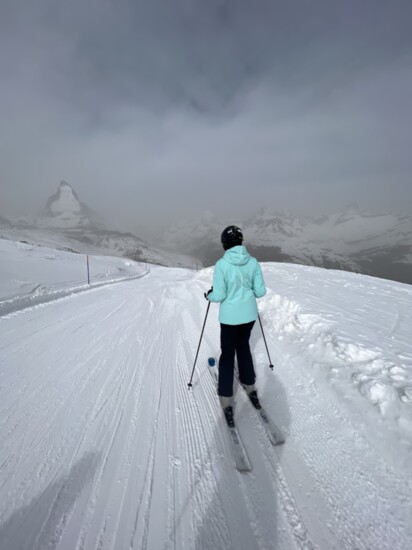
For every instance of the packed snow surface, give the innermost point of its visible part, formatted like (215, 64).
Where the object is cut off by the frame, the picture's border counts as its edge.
(103, 445)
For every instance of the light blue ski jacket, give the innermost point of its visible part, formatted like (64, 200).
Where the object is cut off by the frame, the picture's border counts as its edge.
(237, 282)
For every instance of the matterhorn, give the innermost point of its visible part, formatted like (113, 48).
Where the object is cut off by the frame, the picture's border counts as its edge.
(64, 210)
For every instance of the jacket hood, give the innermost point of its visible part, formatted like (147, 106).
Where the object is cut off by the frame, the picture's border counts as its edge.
(238, 255)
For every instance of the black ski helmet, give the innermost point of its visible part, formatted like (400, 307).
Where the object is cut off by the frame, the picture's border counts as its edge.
(231, 236)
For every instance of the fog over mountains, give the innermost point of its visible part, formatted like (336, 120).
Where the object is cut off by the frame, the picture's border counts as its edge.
(67, 223)
(378, 244)
(352, 240)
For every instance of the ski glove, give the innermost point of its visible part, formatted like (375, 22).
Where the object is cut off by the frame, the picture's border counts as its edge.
(206, 294)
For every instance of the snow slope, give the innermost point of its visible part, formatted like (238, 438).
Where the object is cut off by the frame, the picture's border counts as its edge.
(33, 274)
(103, 446)
(67, 223)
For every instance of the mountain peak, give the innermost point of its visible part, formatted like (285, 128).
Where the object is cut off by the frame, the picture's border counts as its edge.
(63, 201)
(64, 210)
(65, 187)
(65, 184)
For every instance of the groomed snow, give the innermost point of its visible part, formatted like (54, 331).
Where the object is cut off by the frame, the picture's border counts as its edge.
(103, 445)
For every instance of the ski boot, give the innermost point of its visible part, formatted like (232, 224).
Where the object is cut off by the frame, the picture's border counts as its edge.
(253, 396)
(229, 416)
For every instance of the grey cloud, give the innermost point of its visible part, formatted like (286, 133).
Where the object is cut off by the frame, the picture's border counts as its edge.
(159, 105)
(203, 54)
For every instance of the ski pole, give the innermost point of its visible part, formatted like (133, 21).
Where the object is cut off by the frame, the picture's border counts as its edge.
(267, 349)
(198, 347)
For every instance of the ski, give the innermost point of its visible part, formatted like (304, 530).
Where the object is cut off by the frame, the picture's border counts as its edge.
(238, 449)
(274, 433)
(239, 452)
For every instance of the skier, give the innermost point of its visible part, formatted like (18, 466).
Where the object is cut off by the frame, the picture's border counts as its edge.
(237, 282)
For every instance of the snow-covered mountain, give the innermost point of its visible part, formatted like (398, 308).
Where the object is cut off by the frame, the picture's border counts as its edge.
(375, 244)
(69, 224)
(64, 210)
(193, 232)
(372, 243)
(199, 237)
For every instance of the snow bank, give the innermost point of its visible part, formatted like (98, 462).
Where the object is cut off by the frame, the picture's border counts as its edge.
(32, 274)
(353, 330)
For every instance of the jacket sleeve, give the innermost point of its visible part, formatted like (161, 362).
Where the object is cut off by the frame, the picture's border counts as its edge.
(259, 288)
(219, 285)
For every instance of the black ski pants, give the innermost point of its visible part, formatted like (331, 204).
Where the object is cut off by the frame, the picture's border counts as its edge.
(235, 339)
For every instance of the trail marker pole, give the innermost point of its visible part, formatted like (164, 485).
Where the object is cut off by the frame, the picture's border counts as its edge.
(88, 269)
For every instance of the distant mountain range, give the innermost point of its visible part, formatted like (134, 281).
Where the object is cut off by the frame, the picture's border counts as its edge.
(369, 243)
(69, 224)
(352, 240)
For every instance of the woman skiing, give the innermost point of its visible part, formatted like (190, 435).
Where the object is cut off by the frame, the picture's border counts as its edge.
(237, 282)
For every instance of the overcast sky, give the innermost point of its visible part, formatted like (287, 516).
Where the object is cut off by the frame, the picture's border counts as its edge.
(157, 107)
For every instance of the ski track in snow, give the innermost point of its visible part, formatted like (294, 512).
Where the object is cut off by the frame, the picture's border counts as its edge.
(104, 447)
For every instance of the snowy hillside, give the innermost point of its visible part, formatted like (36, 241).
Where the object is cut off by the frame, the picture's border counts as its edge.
(33, 274)
(103, 445)
(67, 223)
(374, 244)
